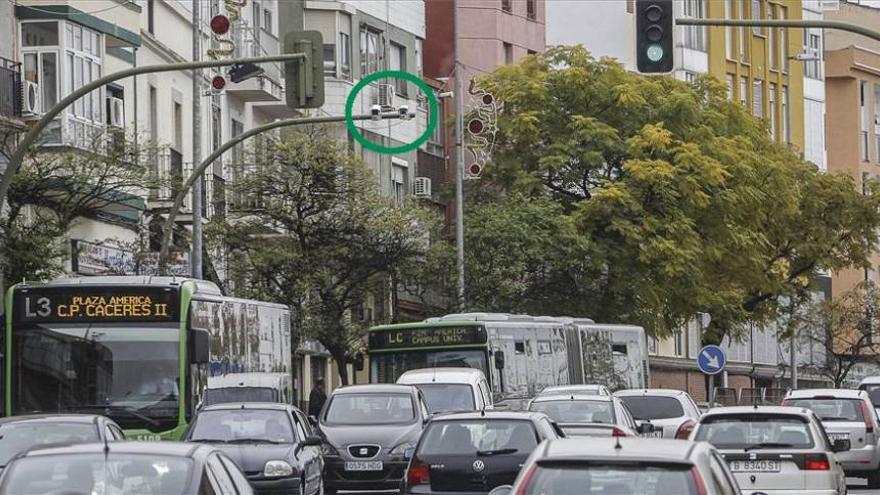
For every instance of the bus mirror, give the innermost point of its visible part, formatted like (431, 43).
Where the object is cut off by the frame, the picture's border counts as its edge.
(499, 360)
(359, 362)
(199, 346)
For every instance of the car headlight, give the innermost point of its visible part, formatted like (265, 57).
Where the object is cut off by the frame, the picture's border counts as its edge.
(327, 449)
(274, 469)
(404, 449)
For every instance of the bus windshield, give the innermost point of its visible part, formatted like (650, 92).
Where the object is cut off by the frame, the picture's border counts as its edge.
(386, 367)
(129, 373)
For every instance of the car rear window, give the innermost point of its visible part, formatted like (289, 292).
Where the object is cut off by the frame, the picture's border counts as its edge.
(488, 437)
(873, 392)
(445, 397)
(604, 478)
(576, 411)
(653, 407)
(755, 431)
(832, 409)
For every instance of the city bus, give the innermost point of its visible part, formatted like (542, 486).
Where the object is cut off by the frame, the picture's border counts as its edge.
(138, 349)
(519, 354)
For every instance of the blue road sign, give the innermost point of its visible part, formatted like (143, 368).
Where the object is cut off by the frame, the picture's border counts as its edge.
(711, 360)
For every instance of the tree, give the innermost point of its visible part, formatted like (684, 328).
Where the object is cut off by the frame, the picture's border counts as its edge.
(684, 202)
(53, 189)
(314, 231)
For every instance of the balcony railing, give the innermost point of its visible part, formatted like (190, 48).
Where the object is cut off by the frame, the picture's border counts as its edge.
(250, 44)
(10, 88)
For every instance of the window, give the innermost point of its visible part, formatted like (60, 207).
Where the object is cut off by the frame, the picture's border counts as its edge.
(397, 61)
(344, 56)
(690, 77)
(531, 9)
(742, 35)
(370, 51)
(678, 341)
(744, 91)
(786, 117)
(435, 142)
(772, 104)
(695, 36)
(783, 40)
(756, 15)
(508, 53)
(257, 17)
(877, 120)
(729, 81)
(39, 34)
(398, 180)
(728, 31)
(267, 21)
(329, 60)
(418, 54)
(506, 6)
(813, 43)
(863, 117)
(758, 98)
(771, 40)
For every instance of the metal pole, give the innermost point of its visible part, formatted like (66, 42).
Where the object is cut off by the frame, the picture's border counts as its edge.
(459, 160)
(793, 357)
(197, 171)
(31, 137)
(196, 254)
(711, 391)
(785, 23)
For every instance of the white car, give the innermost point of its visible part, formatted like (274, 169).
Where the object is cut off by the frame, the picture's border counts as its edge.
(450, 389)
(775, 450)
(582, 389)
(672, 412)
(871, 384)
(590, 415)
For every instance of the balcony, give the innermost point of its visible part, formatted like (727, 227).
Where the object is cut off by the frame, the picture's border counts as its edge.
(265, 87)
(10, 88)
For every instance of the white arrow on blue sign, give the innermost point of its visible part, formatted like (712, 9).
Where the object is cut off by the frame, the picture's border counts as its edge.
(711, 360)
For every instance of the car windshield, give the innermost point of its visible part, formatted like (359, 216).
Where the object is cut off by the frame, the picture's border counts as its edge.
(443, 397)
(576, 411)
(653, 407)
(242, 425)
(601, 479)
(832, 409)
(240, 394)
(486, 437)
(85, 474)
(19, 436)
(386, 367)
(129, 373)
(370, 409)
(755, 431)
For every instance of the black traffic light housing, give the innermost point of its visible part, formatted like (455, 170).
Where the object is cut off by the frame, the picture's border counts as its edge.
(654, 33)
(243, 72)
(304, 78)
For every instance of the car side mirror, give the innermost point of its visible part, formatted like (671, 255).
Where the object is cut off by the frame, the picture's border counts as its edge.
(841, 445)
(499, 360)
(645, 428)
(501, 490)
(313, 441)
(199, 346)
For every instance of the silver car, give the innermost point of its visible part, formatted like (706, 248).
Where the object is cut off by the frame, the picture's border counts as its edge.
(582, 389)
(849, 415)
(775, 450)
(590, 415)
(599, 466)
(672, 412)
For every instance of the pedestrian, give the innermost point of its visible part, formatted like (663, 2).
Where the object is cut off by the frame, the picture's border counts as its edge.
(317, 398)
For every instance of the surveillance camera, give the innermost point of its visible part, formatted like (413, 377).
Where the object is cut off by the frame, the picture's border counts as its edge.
(376, 112)
(403, 111)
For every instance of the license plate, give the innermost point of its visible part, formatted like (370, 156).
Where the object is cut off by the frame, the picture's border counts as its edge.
(363, 466)
(762, 466)
(838, 436)
(655, 434)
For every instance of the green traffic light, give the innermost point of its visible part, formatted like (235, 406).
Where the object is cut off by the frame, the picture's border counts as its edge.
(654, 53)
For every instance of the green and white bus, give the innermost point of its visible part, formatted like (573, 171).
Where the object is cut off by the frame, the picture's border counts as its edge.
(519, 354)
(138, 349)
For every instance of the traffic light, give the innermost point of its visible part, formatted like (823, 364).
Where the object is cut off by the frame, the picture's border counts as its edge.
(242, 72)
(654, 31)
(304, 78)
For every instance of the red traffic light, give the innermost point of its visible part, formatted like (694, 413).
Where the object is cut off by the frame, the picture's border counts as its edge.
(218, 83)
(220, 24)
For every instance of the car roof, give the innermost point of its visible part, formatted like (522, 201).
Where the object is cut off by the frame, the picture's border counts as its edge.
(226, 406)
(176, 449)
(787, 410)
(586, 386)
(375, 388)
(870, 380)
(651, 449)
(492, 414)
(446, 375)
(574, 397)
(49, 418)
(809, 393)
(664, 392)
(246, 380)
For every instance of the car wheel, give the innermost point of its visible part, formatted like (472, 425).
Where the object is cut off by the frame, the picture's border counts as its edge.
(874, 480)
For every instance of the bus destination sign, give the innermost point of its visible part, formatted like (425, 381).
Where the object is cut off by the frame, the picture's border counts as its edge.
(94, 304)
(427, 337)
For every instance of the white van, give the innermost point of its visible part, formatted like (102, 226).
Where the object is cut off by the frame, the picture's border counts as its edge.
(451, 389)
(248, 387)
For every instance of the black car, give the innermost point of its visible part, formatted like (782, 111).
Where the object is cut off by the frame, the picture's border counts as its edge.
(271, 443)
(473, 452)
(370, 431)
(19, 433)
(166, 468)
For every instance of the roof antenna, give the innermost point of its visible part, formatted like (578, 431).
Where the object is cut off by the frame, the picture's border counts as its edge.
(106, 447)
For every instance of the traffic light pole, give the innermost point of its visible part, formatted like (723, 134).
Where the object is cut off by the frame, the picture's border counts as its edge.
(782, 23)
(31, 137)
(198, 171)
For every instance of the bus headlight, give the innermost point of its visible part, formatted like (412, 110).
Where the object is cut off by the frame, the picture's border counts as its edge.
(275, 469)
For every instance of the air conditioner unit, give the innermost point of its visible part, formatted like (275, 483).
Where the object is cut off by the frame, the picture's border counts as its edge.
(30, 99)
(384, 96)
(422, 187)
(117, 111)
